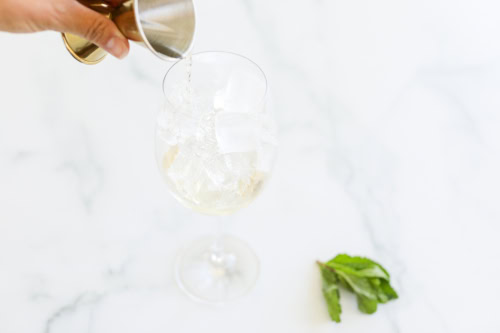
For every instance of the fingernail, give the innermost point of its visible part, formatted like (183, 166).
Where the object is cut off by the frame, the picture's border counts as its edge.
(117, 47)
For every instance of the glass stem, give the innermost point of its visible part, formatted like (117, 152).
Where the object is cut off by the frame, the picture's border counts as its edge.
(218, 254)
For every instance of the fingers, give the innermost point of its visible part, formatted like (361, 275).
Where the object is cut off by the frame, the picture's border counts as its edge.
(115, 3)
(94, 27)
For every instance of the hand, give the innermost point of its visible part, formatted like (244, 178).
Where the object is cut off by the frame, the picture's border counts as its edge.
(64, 16)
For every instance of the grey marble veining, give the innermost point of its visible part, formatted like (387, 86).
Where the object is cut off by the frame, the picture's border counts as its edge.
(389, 126)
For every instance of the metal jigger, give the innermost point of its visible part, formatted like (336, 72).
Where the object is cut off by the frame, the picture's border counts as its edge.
(166, 27)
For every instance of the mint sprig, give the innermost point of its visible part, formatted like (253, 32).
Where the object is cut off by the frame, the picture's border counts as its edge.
(362, 276)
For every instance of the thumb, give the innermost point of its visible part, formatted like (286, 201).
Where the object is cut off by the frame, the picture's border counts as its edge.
(96, 28)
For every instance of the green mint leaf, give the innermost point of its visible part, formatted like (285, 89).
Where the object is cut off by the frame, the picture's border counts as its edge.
(331, 292)
(357, 262)
(383, 290)
(343, 283)
(359, 266)
(388, 291)
(366, 305)
(377, 286)
(360, 286)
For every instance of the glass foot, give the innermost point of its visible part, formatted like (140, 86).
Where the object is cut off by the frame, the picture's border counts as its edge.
(217, 269)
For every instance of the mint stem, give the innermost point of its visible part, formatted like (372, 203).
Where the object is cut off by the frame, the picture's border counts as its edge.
(323, 265)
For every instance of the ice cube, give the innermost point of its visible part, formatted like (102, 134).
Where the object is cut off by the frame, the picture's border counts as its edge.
(217, 171)
(219, 99)
(243, 92)
(236, 132)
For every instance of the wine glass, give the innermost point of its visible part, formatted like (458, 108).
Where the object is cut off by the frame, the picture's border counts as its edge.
(215, 147)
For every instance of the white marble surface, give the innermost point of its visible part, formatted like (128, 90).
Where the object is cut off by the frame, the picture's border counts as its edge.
(389, 115)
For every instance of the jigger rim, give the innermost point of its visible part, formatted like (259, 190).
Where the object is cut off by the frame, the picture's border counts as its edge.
(148, 44)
